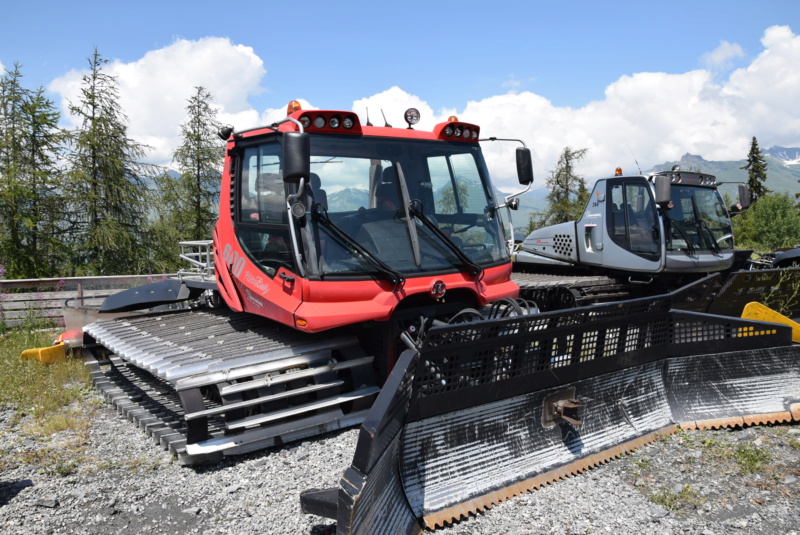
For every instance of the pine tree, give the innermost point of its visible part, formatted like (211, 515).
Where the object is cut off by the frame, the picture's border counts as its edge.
(106, 181)
(756, 171)
(568, 191)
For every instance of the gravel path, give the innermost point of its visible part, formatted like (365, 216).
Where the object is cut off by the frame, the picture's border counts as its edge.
(111, 478)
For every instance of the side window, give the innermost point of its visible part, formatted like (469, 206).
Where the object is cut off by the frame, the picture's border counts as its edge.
(263, 229)
(261, 195)
(641, 219)
(456, 184)
(617, 211)
(633, 220)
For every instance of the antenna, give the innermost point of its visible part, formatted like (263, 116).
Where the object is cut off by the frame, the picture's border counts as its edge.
(386, 123)
(634, 158)
(368, 123)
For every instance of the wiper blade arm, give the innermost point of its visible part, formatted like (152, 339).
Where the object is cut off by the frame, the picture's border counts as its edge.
(710, 237)
(474, 269)
(393, 276)
(673, 224)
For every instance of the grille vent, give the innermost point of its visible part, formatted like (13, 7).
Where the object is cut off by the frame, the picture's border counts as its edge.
(563, 245)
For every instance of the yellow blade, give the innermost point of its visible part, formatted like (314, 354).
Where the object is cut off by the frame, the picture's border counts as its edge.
(759, 312)
(55, 353)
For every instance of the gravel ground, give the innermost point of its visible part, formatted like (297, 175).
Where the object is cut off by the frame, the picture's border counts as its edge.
(111, 478)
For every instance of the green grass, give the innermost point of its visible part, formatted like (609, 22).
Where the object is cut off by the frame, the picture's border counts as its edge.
(47, 399)
(673, 501)
(751, 459)
(30, 387)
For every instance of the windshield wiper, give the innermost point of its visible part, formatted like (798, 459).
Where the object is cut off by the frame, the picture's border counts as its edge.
(702, 226)
(412, 230)
(710, 237)
(673, 224)
(415, 208)
(395, 277)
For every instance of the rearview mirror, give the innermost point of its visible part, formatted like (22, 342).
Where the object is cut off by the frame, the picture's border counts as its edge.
(744, 196)
(296, 156)
(663, 192)
(524, 166)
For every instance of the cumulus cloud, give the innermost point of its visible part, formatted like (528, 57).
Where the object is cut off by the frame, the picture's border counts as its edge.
(651, 117)
(722, 57)
(654, 117)
(154, 90)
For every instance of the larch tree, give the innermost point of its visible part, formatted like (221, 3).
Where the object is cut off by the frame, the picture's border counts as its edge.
(12, 188)
(568, 191)
(30, 207)
(107, 181)
(186, 204)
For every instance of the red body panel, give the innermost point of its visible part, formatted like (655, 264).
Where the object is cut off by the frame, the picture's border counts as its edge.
(333, 304)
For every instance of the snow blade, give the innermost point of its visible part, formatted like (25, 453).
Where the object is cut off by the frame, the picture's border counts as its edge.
(778, 289)
(487, 410)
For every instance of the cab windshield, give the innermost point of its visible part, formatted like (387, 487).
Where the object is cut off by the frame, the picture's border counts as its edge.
(364, 188)
(373, 206)
(697, 221)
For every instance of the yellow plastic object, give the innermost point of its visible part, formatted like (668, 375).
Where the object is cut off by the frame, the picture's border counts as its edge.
(55, 353)
(759, 312)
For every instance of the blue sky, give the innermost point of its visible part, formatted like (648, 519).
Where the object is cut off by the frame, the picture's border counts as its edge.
(543, 71)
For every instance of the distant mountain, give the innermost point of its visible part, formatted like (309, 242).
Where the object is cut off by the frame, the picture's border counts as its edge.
(783, 170)
(785, 156)
(348, 199)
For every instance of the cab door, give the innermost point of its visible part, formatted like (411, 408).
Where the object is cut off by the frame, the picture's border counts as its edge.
(590, 228)
(633, 227)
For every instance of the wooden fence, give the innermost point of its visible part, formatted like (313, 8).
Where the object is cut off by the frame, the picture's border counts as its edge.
(33, 300)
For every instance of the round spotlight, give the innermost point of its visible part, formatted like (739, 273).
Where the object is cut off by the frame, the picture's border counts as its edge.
(305, 120)
(348, 122)
(319, 121)
(448, 130)
(412, 116)
(458, 131)
(466, 133)
(334, 122)
(475, 134)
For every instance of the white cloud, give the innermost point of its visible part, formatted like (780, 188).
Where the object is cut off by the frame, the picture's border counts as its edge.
(722, 57)
(154, 90)
(653, 117)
